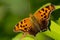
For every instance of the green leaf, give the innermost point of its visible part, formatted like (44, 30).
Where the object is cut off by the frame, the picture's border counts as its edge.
(55, 31)
(18, 37)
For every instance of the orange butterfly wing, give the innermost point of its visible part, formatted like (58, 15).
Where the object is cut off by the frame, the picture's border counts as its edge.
(23, 25)
(43, 16)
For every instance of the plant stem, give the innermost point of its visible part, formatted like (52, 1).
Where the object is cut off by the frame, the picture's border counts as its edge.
(57, 7)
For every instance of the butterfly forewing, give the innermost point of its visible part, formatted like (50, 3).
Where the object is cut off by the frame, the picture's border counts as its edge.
(23, 25)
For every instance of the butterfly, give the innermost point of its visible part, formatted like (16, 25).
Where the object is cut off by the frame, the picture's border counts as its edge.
(37, 22)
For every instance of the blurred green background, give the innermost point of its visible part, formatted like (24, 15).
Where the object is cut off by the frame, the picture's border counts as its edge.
(12, 11)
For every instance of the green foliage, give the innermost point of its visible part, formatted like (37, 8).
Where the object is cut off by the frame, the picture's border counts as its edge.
(12, 11)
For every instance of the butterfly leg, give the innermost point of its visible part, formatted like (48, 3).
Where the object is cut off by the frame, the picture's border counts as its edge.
(24, 35)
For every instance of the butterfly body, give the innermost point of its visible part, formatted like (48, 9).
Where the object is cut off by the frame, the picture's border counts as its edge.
(37, 22)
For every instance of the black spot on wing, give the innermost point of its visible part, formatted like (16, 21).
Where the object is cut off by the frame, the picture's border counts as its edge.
(21, 22)
(44, 16)
(42, 9)
(26, 25)
(39, 11)
(24, 21)
(25, 28)
(45, 11)
(20, 25)
(41, 15)
(48, 7)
